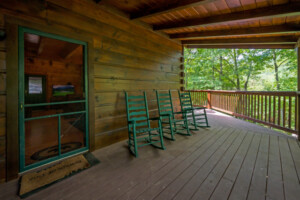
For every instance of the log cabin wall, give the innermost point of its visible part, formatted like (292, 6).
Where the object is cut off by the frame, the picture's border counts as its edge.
(2, 104)
(123, 56)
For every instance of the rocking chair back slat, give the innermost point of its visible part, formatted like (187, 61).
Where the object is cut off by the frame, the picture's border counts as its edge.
(137, 108)
(139, 129)
(166, 112)
(136, 102)
(137, 113)
(141, 124)
(164, 101)
(187, 105)
(136, 97)
(164, 94)
(139, 118)
(142, 113)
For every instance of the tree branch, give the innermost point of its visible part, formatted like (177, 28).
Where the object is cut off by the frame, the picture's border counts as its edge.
(282, 62)
(226, 77)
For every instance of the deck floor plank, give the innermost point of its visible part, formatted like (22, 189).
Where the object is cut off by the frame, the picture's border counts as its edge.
(205, 167)
(241, 185)
(295, 150)
(274, 182)
(123, 173)
(225, 185)
(159, 184)
(170, 190)
(258, 184)
(290, 179)
(207, 187)
(144, 185)
(233, 159)
(135, 179)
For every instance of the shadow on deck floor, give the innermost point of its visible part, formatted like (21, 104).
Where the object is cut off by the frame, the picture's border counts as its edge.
(233, 159)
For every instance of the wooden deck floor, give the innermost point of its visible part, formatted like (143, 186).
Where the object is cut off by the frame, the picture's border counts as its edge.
(231, 160)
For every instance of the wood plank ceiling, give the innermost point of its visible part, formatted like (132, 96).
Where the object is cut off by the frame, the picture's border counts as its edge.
(218, 23)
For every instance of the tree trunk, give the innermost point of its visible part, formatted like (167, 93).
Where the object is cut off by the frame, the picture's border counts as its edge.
(221, 71)
(276, 70)
(236, 70)
(248, 77)
(213, 76)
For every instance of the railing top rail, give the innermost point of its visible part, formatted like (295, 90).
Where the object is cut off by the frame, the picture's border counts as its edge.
(271, 93)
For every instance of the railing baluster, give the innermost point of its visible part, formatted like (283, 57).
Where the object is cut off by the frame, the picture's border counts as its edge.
(296, 116)
(227, 102)
(266, 103)
(262, 107)
(283, 116)
(290, 111)
(275, 109)
(251, 111)
(270, 108)
(258, 107)
(247, 104)
(279, 109)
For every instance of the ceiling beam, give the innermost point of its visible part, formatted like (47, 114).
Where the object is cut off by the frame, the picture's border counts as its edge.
(175, 5)
(289, 9)
(239, 32)
(298, 44)
(244, 46)
(254, 40)
(68, 50)
(40, 46)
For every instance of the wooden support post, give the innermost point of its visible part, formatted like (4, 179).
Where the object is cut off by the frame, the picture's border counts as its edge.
(209, 100)
(298, 88)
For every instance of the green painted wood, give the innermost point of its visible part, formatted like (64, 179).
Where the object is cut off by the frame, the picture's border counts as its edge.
(136, 97)
(166, 112)
(141, 133)
(22, 119)
(136, 102)
(198, 119)
(53, 103)
(137, 108)
(138, 113)
(138, 118)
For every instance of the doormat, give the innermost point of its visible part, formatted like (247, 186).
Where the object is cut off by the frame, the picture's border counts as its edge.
(53, 151)
(36, 181)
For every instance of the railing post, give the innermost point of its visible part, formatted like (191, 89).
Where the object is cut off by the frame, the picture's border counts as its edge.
(298, 88)
(209, 100)
(298, 113)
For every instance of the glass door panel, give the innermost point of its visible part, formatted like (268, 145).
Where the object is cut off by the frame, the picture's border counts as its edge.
(52, 97)
(41, 139)
(72, 132)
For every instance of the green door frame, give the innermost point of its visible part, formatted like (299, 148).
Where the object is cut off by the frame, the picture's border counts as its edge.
(22, 119)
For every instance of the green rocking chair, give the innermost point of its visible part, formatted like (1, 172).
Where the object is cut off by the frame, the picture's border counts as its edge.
(166, 112)
(198, 119)
(140, 133)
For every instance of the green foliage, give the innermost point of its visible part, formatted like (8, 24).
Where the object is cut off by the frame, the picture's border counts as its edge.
(241, 69)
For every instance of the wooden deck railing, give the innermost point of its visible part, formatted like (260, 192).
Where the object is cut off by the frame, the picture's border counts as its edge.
(274, 109)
